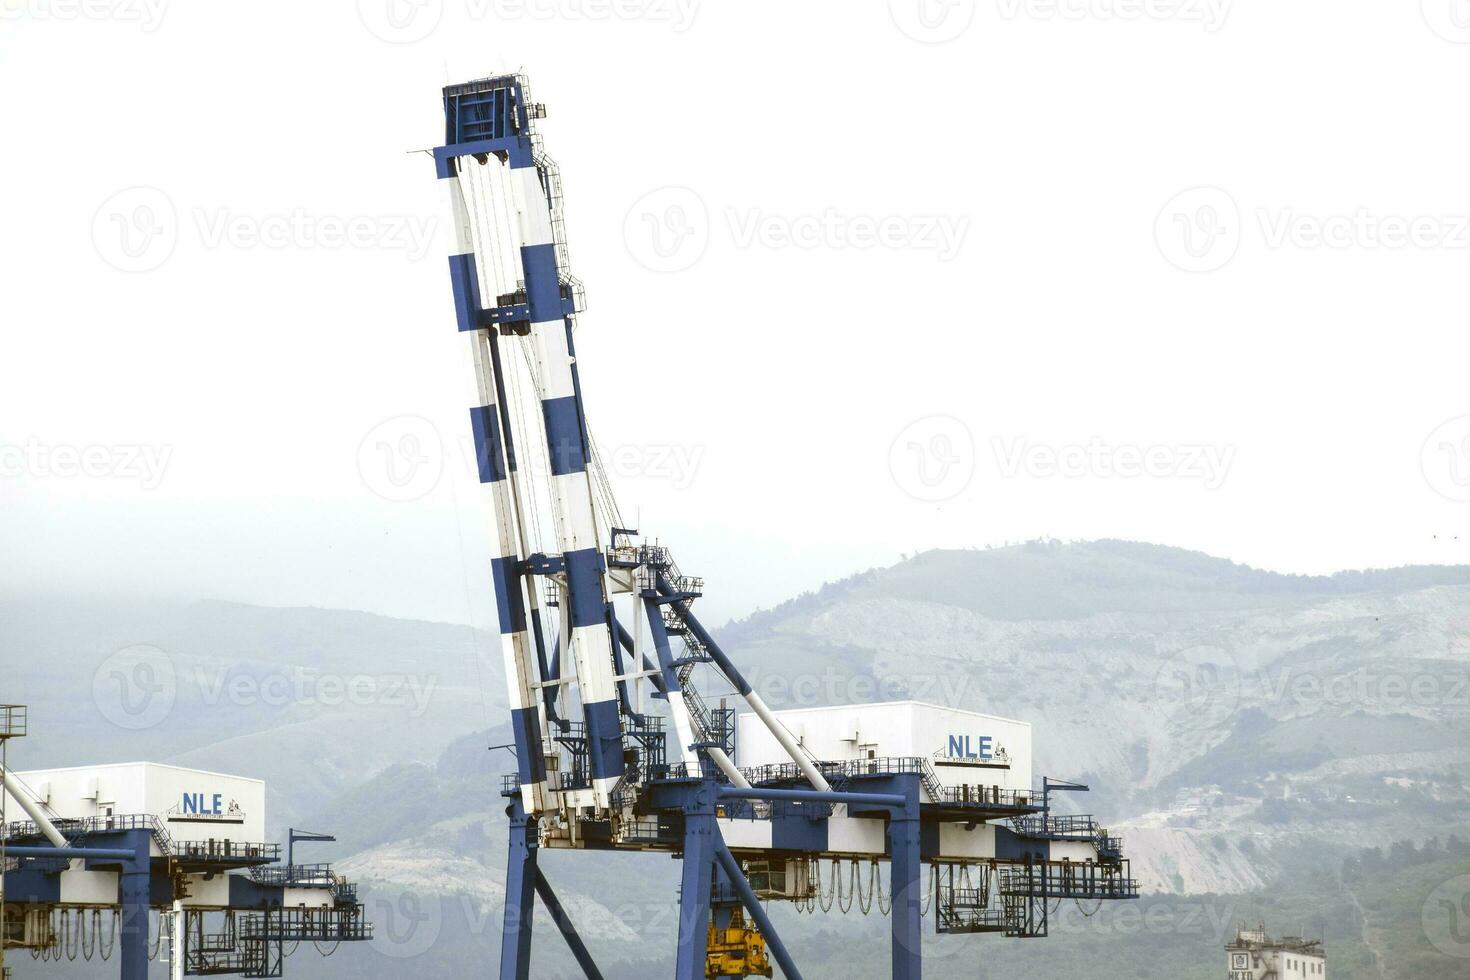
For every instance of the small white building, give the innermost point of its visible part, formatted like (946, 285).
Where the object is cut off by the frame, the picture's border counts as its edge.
(1256, 956)
(965, 748)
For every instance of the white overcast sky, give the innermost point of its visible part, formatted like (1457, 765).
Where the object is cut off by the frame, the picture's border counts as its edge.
(863, 279)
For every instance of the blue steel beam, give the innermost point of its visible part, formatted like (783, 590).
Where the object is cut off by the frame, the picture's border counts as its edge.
(564, 923)
(701, 840)
(520, 877)
(812, 796)
(94, 853)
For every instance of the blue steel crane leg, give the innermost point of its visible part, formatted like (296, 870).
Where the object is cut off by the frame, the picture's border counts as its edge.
(757, 911)
(564, 923)
(903, 885)
(520, 890)
(700, 837)
(135, 899)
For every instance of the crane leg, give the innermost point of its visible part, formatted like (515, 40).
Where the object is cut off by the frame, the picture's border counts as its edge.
(520, 886)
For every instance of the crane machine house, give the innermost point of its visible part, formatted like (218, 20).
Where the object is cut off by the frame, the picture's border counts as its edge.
(973, 758)
(214, 812)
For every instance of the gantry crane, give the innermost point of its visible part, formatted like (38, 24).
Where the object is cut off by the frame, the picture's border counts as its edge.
(592, 616)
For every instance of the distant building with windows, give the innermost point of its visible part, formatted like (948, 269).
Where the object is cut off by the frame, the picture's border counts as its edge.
(1256, 956)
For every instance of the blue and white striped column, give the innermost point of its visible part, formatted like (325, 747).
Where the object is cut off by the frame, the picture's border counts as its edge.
(571, 488)
(496, 470)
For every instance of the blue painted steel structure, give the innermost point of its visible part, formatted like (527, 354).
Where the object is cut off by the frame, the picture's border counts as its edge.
(595, 770)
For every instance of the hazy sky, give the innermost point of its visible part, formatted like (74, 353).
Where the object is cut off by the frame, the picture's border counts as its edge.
(863, 279)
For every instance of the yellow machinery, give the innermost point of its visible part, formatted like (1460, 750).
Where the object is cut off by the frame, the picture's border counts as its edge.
(736, 951)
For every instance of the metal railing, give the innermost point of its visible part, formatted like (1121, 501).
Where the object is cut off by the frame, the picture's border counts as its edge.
(225, 851)
(300, 875)
(73, 828)
(1079, 826)
(323, 925)
(1068, 879)
(982, 797)
(12, 720)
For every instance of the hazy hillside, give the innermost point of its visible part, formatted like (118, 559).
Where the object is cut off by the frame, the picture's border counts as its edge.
(1240, 728)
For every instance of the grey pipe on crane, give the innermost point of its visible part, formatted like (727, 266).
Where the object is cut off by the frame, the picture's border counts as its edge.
(22, 795)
